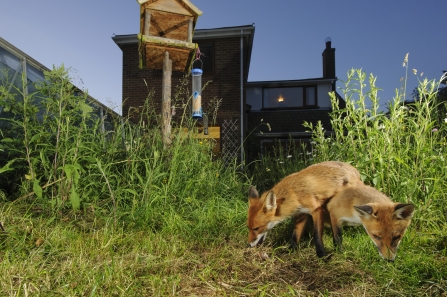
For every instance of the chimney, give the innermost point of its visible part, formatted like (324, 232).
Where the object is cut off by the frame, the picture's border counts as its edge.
(329, 60)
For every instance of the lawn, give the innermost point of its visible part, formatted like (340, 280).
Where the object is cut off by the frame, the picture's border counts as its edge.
(85, 213)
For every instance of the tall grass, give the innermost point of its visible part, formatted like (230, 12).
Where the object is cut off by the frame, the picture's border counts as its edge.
(285, 158)
(63, 159)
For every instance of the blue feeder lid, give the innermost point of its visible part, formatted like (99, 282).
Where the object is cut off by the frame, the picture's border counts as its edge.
(197, 115)
(196, 71)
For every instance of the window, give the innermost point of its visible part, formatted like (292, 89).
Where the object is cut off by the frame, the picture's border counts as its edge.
(290, 97)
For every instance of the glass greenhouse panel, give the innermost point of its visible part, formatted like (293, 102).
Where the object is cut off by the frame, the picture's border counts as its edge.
(9, 59)
(34, 74)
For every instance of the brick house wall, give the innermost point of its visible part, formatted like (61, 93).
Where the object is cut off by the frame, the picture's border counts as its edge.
(221, 73)
(224, 79)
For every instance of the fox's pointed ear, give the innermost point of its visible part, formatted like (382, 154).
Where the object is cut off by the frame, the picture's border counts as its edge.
(403, 211)
(253, 193)
(364, 210)
(270, 201)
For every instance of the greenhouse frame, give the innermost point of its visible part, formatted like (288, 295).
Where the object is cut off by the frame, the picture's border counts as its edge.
(17, 67)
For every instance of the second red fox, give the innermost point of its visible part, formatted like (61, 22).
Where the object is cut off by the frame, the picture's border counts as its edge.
(384, 221)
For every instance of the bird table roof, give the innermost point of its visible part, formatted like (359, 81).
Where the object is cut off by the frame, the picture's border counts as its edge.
(184, 7)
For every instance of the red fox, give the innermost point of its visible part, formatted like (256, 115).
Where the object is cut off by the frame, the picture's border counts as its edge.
(300, 194)
(384, 221)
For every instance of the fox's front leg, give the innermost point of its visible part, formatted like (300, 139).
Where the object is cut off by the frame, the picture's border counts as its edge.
(300, 227)
(318, 220)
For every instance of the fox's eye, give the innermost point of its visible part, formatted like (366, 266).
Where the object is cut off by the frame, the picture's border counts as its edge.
(256, 229)
(376, 237)
(397, 237)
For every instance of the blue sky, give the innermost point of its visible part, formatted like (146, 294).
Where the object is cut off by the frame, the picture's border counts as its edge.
(288, 42)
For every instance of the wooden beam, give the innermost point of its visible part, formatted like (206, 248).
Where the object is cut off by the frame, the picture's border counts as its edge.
(147, 21)
(166, 41)
(190, 29)
(166, 101)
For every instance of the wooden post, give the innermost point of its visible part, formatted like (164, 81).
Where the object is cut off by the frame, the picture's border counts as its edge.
(166, 101)
(147, 22)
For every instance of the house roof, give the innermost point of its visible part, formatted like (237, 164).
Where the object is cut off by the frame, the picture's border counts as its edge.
(247, 31)
(200, 34)
(224, 32)
(290, 83)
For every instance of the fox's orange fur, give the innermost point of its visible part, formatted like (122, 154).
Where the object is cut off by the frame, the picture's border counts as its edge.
(384, 221)
(300, 194)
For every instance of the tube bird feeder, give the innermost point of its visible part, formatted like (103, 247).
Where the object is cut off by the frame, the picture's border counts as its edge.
(196, 93)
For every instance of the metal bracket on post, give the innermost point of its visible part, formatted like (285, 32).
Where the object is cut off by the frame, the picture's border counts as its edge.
(205, 124)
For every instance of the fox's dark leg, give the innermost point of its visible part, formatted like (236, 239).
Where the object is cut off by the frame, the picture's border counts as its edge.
(300, 227)
(336, 232)
(318, 217)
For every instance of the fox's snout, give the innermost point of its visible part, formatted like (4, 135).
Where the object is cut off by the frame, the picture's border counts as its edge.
(389, 256)
(254, 240)
(387, 253)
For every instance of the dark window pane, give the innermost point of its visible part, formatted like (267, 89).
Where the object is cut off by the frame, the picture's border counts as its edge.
(290, 97)
(207, 58)
(310, 96)
(283, 97)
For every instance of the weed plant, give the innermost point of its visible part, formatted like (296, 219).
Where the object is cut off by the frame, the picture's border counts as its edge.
(88, 211)
(401, 151)
(284, 159)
